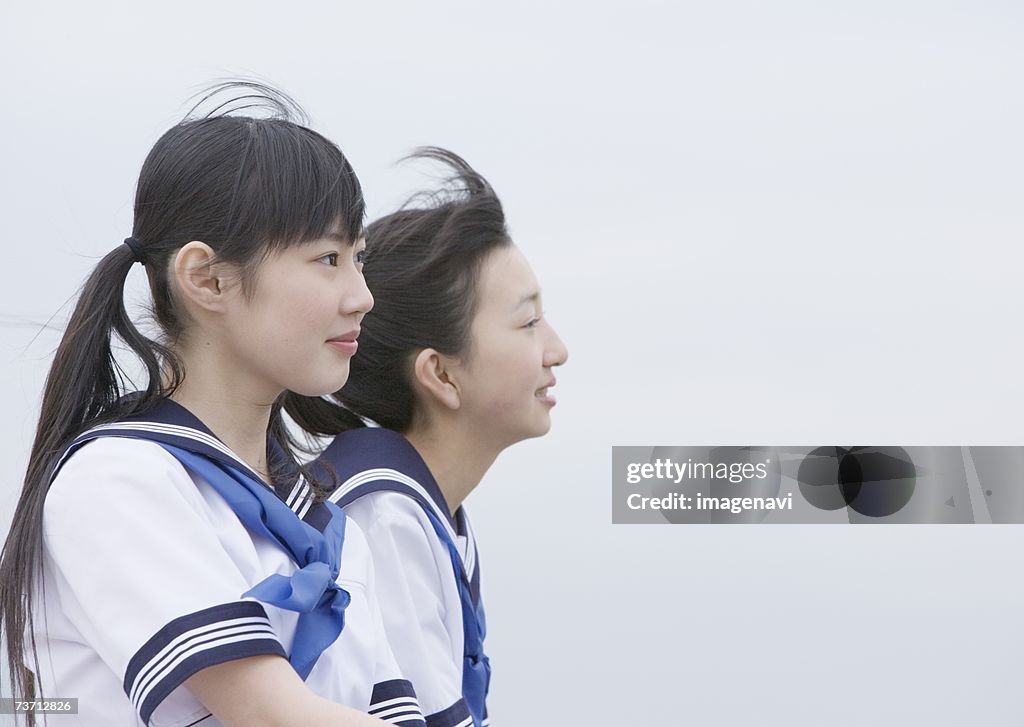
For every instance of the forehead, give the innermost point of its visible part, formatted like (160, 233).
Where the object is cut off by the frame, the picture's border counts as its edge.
(506, 280)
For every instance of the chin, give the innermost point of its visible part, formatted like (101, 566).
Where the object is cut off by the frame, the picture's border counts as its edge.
(541, 429)
(320, 388)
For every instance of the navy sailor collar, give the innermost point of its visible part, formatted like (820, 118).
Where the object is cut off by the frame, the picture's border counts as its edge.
(368, 449)
(171, 423)
(373, 459)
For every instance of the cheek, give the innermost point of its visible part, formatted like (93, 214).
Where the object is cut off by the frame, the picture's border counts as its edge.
(516, 376)
(506, 369)
(303, 311)
(290, 326)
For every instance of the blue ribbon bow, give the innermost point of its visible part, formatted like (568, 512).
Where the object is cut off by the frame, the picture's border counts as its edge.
(312, 590)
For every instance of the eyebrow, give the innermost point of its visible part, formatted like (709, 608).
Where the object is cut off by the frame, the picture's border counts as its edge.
(343, 239)
(528, 298)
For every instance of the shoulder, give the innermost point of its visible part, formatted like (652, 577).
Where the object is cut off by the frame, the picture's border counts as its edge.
(114, 456)
(400, 536)
(107, 465)
(389, 510)
(115, 474)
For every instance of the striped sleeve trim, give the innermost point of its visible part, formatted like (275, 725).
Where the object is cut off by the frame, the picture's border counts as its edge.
(456, 715)
(395, 701)
(190, 643)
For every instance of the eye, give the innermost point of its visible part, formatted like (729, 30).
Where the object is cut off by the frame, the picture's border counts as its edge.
(360, 257)
(534, 322)
(330, 258)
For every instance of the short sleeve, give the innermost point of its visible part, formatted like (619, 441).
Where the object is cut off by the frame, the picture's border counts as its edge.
(415, 585)
(142, 573)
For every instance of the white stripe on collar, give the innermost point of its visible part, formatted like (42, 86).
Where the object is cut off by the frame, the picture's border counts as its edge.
(389, 474)
(470, 544)
(172, 429)
(301, 497)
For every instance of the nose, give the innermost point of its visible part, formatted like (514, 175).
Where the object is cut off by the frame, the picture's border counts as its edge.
(555, 351)
(357, 297)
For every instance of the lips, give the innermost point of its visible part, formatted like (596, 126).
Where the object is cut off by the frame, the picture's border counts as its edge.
(543, 394)
(349, 337)
(346, 342)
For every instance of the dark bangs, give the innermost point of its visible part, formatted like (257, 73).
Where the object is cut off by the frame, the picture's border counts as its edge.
(294, 186)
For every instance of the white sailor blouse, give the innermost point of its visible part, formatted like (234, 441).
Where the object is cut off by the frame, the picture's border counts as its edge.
(163, 553)
(428, 571)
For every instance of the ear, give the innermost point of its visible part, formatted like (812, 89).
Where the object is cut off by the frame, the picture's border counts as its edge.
(431, 372)
(199, 278)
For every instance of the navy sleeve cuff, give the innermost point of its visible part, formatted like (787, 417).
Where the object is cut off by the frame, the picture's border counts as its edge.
(395, 701)
(456, 715)
(190, 643)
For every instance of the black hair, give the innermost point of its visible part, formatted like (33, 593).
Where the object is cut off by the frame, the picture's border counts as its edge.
(246, 185)
(422, 265)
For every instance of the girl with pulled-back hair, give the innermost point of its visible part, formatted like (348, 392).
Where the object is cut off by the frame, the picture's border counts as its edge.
(455, 364)
(170, 563)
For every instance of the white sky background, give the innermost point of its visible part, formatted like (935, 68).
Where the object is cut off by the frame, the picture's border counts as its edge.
(755, 223)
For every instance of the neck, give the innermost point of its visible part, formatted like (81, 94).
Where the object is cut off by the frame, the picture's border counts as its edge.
(457, 460)
(233, 408)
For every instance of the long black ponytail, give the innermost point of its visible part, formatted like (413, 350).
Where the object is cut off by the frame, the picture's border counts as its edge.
(246, 186)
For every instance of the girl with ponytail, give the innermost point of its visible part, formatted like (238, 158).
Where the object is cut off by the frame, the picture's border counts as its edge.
(170, 563)
(455, 363)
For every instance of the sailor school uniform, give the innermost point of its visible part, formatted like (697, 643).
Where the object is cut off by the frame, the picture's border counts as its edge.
(163, 554)
(427, 571)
